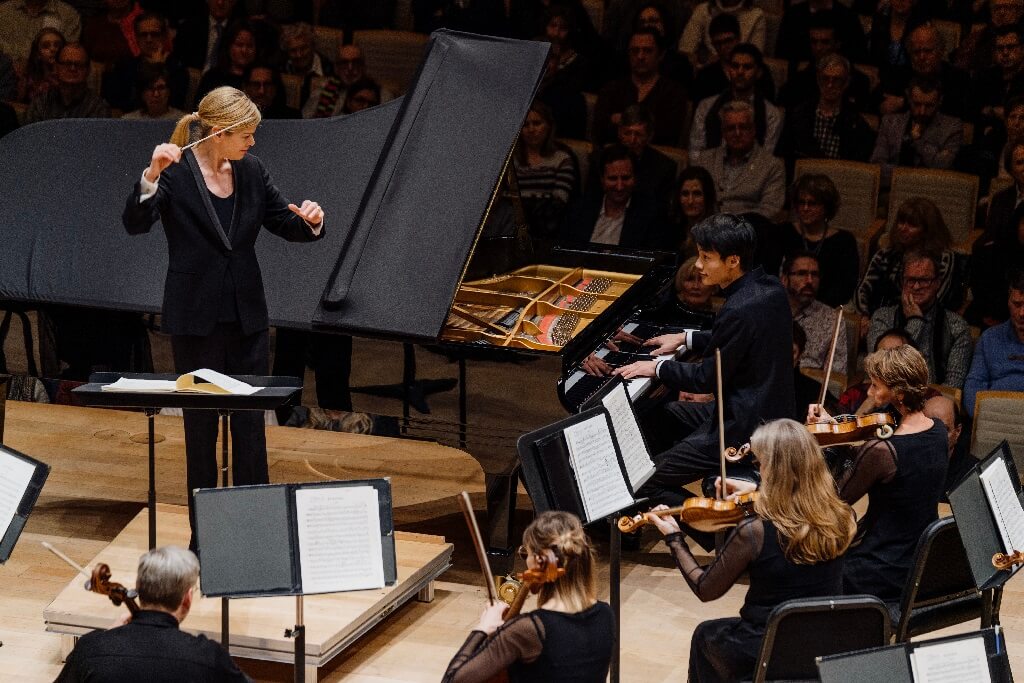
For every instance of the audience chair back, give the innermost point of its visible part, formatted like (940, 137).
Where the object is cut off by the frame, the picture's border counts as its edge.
(392, 56)
(952, 393)
(595, 8)
(676, 154)
(800, 630)
(997, 416)
(326, 41)
(772, 24)
(590, 100)
(940, 589)
(779, 69)
(956, 195)
(950, 32)
(293, 90)
(581, 150)
(194, 76)
(858, 185)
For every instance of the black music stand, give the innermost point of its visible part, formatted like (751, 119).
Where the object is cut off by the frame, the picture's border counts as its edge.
(274, 392)
(241, 559)
(22, 479)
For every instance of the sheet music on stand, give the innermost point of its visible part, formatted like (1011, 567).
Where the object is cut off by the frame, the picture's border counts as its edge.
(956, 661)
(1006, 507)
(21, 481)
(595, 463)
(636, 456)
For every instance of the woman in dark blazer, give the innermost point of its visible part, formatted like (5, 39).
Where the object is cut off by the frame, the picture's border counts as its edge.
(212, 201)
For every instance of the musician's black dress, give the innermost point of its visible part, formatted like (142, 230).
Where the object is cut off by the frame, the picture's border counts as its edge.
(726, 649)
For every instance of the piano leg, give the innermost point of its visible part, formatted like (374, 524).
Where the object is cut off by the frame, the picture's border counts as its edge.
(501, 508)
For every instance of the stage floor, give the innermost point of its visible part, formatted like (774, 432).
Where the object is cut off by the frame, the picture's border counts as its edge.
(98, 485)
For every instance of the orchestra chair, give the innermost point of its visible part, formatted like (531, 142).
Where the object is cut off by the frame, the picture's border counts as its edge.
(954, 193)
(800, 630)
(581, 150)
(940, 589)
(392, 56)
(326, 41)
(676, 154)
(997, 417)
(293, 90)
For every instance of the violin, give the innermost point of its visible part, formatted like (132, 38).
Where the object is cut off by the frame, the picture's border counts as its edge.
(531, 581)
(703, 514)
(852, 428)
(1007, 560)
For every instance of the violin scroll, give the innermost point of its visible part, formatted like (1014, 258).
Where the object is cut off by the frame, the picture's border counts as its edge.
(100, 583)
(1007, 560)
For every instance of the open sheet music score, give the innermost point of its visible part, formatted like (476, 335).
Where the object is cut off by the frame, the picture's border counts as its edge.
(958, 661)
(600, 479)
(213, 383)
(635, 456)
(339, 539)
(1006, 507)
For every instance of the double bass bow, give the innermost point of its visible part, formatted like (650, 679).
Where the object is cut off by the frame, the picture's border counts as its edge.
(98, 581)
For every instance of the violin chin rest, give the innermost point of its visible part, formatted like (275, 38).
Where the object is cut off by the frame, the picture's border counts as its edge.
(884, 432)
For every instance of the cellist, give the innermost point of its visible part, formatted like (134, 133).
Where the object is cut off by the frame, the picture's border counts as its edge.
(569, 637)
(792, 548)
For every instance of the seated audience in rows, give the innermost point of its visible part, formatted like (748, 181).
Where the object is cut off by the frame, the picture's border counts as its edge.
(655, 172)
(922, 137)
(40, 72)
(801, 275)
(926, 48)
(710, 80)
(664, 98)
(815, 202)
(264, 86)
(998, 362)
(697, 37)
(696, 199)
(528, 20)
(942, 336)
(1004, 78)
(71, 98)
(805, 87)
(692, 305)
(796, 33)
(675, 65)
(890, 29)
(997, 138)
(993, 257)
(110, 35)
(566, 75)
(791, 547)
(743, 69)
(918, 226)
(22, 20)
(1004, 203)
(153, 35)
(329, 99)
(806, 390)
(198, 39)
(903, 478)
(362, 94)
(978, 48)
(303, 59)
(154, 96)
(858, 400)
(618, 213)
(747, 177)
(546, 174)
(238, 52)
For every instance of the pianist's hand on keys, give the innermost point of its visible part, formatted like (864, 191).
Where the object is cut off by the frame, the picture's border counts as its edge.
(643, 368)
(666, 343)
(595, 365)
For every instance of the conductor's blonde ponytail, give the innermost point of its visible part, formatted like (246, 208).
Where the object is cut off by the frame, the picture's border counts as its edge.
(221, 107)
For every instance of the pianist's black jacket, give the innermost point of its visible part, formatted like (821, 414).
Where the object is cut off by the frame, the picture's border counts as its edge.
(201, 254)
(754, 330)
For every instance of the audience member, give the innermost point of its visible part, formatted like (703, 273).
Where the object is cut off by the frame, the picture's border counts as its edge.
(110, 36)
(922, 137)
(664, 98)
(1000, 137)
(618, 213)
(1004, 203)
(265, 88)
(153, 35)
(801, 275)
(22, 20)
(747, 177)
(198, 40)
(918, 226)
(692, 306)
(40, 72)
(994, 255)
(926, 48)
(977, 49)
(696, 38)
(744, 68)
(857, 400)
(238, 52)
(827, 126)
(1004, 77)
(72, 98)
(546, 174)
(942, 336)
(890, 28)
(154, 96)
(574, 71)
(815, 202)
(486, 17)
(998, 362)
(675, 65)
(795, 34)
(710, 79)
(696, 199)
(655, 172)
(803, 86)
(303, 60)
(329, 100)
(806, 390)
(362, 94)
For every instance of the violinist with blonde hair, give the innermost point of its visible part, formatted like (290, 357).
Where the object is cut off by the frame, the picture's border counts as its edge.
(791, 547)
(569, 637)
(212, 200)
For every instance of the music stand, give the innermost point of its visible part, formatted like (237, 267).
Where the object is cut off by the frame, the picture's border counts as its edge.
(316, 523)
(274, 392)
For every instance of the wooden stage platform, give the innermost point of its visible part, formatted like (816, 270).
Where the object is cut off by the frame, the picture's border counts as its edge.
(98, 486)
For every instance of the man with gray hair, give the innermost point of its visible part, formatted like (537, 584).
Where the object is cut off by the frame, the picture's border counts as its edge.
(303, 59)
(149, 646)
(748, 178)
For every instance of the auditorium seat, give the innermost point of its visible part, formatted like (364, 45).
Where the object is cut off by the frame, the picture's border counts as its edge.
(392, 56)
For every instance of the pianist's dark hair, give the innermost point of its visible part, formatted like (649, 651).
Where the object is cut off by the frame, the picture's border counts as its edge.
(729, 235)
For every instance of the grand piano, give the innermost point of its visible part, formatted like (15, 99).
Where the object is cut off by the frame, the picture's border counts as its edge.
(425, 242)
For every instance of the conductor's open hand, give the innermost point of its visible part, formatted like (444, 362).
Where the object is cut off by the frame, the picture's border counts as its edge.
(665, 343)
(163, 156)
(641, 368)
(309, 212)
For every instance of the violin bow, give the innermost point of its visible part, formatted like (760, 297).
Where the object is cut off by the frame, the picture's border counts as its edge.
(721, 421)
(831, 356)
(67, 559)
(478, 544)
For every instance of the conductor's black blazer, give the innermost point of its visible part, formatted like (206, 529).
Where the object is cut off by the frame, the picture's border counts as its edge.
(201, 255)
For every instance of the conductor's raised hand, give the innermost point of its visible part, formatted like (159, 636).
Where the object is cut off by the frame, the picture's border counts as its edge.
(665, 343)
(164, 155)
(309, 212)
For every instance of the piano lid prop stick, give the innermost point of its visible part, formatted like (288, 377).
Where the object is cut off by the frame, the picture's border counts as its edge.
(222, 130)
(478, 544)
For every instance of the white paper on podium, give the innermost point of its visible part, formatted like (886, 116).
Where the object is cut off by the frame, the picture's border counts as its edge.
(598, 475)
(639, 466)
(141, 386)
(957, 661)
(15, 476)
(1002, 497)
(339, 539)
